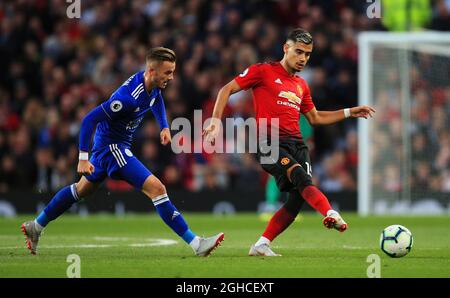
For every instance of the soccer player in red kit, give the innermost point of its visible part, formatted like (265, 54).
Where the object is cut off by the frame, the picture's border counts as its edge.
(279, 93)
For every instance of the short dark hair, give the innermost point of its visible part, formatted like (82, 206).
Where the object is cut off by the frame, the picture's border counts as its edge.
(300, 35)
(160, 54)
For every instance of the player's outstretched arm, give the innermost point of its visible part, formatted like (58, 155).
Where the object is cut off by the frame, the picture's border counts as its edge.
(362, 112)
(159, 111)
(212, 129)
(330, 117)
(87, 128)
(85, 167)
(165, 136)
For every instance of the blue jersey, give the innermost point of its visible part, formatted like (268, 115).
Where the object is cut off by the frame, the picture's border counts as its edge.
(125, 110)
(117, 120)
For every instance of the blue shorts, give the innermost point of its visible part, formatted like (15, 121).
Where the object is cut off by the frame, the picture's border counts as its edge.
(118, 162)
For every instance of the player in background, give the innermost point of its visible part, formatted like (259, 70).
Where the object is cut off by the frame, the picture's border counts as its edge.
(117, 119)
(279, 93)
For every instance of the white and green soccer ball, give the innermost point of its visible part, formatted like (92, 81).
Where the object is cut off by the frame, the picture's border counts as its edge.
(396, 241)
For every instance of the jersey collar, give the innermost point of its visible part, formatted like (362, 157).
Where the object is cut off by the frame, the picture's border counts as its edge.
(284, 71)
(145, 88)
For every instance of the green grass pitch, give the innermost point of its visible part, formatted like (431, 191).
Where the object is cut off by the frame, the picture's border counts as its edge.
(142, 246)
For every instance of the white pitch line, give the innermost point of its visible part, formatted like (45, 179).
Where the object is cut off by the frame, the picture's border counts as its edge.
(160, 242)
(101, 238)
(148, 242)
(64, 246)
(355, 247)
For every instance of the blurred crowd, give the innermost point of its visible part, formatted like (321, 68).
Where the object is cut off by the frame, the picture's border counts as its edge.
(56, 69)
(423, 165)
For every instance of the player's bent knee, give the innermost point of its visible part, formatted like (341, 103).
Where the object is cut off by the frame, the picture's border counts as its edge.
(153, 187)
(84, 188)
(300, 178)
(159, 189)
(290, 169)
(82, 191)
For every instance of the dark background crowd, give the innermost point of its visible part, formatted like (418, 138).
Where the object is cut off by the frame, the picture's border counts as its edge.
(424, 166)
(56, 69)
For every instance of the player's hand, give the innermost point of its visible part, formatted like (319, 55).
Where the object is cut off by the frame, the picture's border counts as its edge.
(362, 112)
(211, 132)
(165, 136)
(85, 167)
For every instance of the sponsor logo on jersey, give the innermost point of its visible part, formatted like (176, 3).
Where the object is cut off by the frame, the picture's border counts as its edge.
(291, 96)
(116, 106)
(288, 104)
(293, 100)
(133, 124)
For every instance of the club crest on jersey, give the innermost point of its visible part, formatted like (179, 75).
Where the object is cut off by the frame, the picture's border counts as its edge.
(300, 90)
(291, 96)
(284, 161)
(116, 106)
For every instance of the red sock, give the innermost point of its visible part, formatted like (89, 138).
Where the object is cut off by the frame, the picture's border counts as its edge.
(316, 199)
(278, 223)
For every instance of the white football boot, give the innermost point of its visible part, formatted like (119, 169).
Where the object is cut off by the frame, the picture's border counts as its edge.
(262, 250)
(334, 220)
(207, 245)
(32, 235)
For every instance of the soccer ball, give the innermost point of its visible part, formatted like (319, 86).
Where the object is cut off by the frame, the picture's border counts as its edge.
(396, 241)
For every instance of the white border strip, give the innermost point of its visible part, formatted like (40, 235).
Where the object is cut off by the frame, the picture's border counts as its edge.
(364, 91)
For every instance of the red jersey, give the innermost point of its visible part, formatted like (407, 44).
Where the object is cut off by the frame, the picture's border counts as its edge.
(277, 94)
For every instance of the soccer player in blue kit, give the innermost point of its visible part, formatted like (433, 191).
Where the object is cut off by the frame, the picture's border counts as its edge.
(117, 119)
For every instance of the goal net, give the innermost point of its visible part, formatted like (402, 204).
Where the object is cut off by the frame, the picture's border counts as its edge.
(404, 151)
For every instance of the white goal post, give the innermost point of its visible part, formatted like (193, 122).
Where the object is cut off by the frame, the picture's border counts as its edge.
(396, 71)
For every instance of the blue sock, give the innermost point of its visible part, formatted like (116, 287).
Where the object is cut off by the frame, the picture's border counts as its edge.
(173, 218)
(62, 201)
